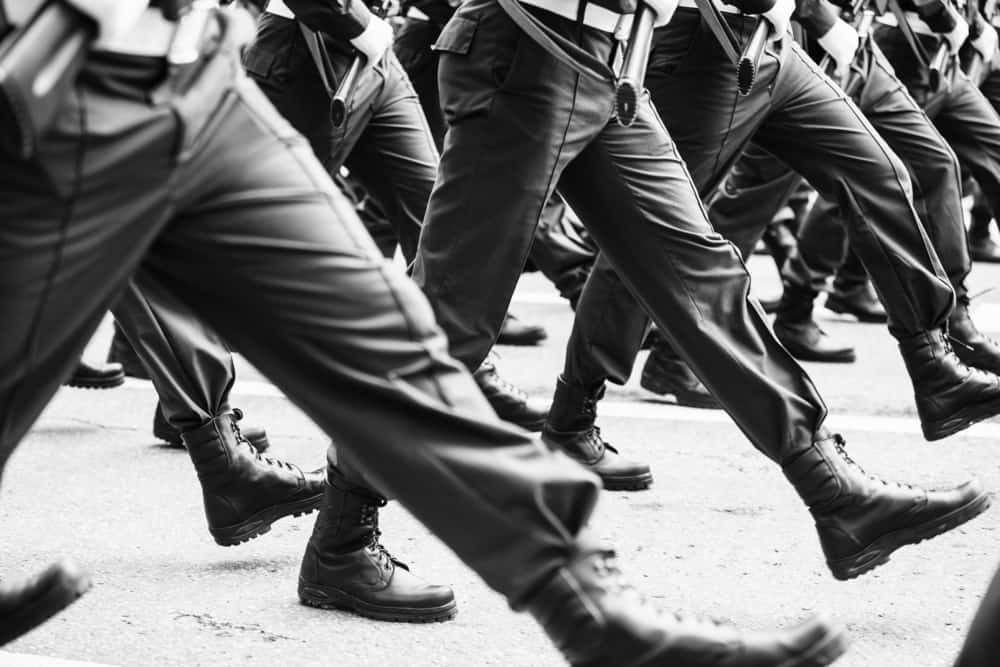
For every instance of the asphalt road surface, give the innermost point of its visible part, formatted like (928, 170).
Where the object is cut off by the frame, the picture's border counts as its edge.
(719, 532)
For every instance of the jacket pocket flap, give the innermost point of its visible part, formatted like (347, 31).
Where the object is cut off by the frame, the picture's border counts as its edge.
(456, 36)
(258, 61)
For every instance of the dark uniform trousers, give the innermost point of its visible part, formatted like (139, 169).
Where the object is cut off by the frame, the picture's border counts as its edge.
(959, 110)
(797, 113)
(385, 143)
(760, 182)
(991, 91)
(519, 123)
(561, 249)
(213, 197)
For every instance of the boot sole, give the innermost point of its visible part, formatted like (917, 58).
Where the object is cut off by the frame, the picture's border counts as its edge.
(682, 396)
(326, 597)
(630, 483)
(97, 383)
(868, 319)
(822, 653)
(535, 426)
(60, 594)
(806, 354)
(878, 552)
(963, 419)
(260, 523)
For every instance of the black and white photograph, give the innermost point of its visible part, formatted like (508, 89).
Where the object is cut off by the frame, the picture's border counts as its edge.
(604, 333)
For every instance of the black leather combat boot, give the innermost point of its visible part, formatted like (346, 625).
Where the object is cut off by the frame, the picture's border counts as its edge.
(950, 395)
(121, 352)
(666, 373)
(571, 429)
(859, 300)
(795, 328)
(970, 344)
(26, 605)
(862, 519)
(780, 240)
(107, 376)
(510, 403)
(982, 248)
(597, 619)
(345, 566)
(165, 431)
(244, 491)
(516, 332)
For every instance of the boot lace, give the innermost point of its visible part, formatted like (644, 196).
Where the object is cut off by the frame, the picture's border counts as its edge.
(589, 407)
(369, 517)
(502, 384)
(597, 443)
(261, 458)
(966, 303)
(841, 446)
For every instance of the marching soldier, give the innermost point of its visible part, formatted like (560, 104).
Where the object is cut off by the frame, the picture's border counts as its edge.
(136, 167)
(529, 104)
(961, 119)
(385, 132)
(384, 140)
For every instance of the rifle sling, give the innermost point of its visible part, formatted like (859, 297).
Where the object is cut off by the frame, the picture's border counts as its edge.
(911, 37)
(712, 17)
(557, 46)
(320, 58)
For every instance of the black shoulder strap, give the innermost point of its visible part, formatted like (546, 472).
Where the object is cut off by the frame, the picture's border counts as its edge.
(320, 57)
(907, 30)
(712, 17)
(558, 47)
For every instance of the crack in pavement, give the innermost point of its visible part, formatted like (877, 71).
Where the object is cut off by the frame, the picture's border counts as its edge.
(226, 627)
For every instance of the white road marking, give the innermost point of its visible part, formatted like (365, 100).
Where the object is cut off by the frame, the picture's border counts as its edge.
(987, 316)
(666, 412)
(24, 660)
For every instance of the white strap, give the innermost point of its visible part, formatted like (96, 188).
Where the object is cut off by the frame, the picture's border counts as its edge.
(279, 8)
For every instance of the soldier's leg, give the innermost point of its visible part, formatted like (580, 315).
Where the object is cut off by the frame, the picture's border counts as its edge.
(971, 126)
(766, 179)
(562, 249)
(61, 223)
(393, 157)
(982, 247)
(511, 509)
(369, 340)
(873, 186)
(393, 153)
(728, 343)
(558, 251)
(192, 370)
(853, 294)
(706, 314)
